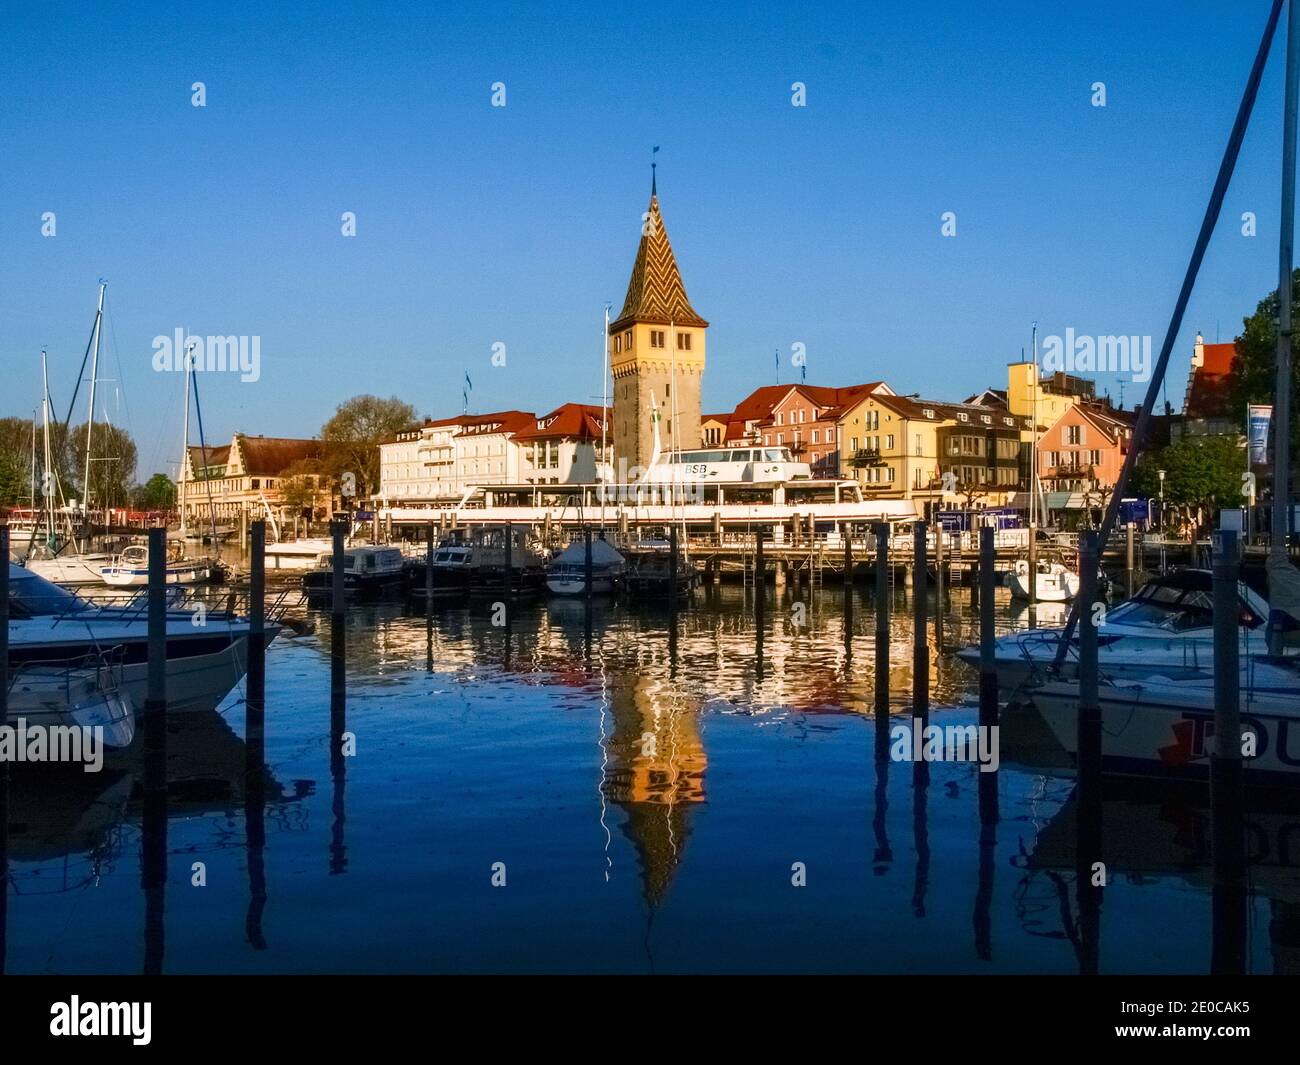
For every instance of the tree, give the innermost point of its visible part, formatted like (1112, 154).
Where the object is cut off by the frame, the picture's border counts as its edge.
(157, 493)
(1201, 472)
(1251, 379)
(112, 465)
(15, 484)
(301, 485)
(353, 435)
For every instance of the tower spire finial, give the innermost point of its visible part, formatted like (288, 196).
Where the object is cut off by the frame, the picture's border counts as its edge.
(653, 152)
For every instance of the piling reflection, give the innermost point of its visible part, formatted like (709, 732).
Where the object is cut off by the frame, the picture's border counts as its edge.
(672, 737)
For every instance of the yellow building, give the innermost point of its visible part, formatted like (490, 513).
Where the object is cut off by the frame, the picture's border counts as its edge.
(891, 445)
(1031, 395)
(251, 476)
(656, 354)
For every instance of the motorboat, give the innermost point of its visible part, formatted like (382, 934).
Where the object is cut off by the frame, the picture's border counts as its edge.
(1053, 582)
(84, 693)
(1165, 728)
(206, 650)
(1165, 629)
(296, 555)
(130, 568)
(567, 573)
(650, 576)
(366, 571)
(451, 571)
(488, 562)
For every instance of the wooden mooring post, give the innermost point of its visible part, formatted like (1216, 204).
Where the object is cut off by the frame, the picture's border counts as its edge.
(1227, 801)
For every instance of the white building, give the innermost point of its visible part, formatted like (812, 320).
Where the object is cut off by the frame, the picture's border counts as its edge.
(439, 460)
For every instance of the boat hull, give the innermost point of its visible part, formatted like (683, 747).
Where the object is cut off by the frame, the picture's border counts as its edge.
(1165, 731)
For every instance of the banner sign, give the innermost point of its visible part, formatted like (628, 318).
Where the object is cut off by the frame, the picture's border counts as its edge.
(1258, 418)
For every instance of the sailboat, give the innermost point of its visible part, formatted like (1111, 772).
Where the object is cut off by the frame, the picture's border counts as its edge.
(64, 562)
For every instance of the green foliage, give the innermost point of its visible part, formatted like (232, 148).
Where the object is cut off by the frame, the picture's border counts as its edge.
(1252, 377)
(1199, 472)
(157, 493)
(112, 465)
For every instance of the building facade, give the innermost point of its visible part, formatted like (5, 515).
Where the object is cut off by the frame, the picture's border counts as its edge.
(656, 355)
(1084, 449)
(438, 461)
(256, 476)
(806, 420)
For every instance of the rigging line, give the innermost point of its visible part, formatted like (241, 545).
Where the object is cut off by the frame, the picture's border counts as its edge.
(1141, 430)
(117, 358)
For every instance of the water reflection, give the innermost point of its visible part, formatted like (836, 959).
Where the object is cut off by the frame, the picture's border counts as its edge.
(635, 773)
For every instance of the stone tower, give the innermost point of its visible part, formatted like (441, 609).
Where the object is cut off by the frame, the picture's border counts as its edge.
(656, 348)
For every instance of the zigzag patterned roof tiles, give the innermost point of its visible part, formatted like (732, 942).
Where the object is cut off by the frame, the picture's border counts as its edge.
(656, 293)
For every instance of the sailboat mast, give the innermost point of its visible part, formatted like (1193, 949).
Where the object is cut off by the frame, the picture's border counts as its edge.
(185, 451)
(90, 417)
(32, 499)
(604, 417)
(47, 485)
(1033, 436)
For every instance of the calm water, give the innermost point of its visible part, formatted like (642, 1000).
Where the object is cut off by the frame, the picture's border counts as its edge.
(648, 804)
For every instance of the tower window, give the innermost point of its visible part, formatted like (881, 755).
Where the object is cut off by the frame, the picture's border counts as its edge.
(656, 338)
(627, 340)
(618, 344)
(683, 341)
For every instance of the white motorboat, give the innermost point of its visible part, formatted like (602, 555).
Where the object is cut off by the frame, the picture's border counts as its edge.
(567, 573)
(296, 555)
(1165, 629)
(206, 654)
(1165, 729)
(130, 569)
(1053, 583)
(86, 693)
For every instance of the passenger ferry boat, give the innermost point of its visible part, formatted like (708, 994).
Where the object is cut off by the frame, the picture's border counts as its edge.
(723, 466)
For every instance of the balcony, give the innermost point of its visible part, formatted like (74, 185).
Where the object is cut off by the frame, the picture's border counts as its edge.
(864, 457)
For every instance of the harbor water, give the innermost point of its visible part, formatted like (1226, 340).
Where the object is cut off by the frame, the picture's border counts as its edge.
(615, 793)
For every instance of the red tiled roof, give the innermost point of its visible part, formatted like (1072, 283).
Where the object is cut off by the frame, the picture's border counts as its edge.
(759, 404)
(578, 421)
(269, 455)
(1207, 391)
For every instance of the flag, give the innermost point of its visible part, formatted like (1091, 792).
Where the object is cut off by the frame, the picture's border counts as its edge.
(803, 371)
(464, 392)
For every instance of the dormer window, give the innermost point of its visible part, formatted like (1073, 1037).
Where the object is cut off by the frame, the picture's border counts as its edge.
(986, 419)
(928, 412)
(962, 417)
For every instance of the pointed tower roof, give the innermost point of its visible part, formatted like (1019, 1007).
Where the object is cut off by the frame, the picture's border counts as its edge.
(656, 293)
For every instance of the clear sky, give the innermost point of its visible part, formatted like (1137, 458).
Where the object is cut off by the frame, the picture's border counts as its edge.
(479, 224)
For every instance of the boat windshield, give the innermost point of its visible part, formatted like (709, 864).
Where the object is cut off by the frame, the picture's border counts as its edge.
(31, 596)
(1175, 610)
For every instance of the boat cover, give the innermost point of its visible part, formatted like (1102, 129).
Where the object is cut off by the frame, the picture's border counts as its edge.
(1284, 596)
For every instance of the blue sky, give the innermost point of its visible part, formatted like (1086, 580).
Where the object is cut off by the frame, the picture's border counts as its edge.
(477, 225)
